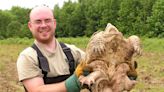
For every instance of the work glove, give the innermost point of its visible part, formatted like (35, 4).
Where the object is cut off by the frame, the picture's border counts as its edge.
(72, 83)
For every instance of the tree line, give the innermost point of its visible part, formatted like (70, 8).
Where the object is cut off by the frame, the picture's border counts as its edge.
(83, 18)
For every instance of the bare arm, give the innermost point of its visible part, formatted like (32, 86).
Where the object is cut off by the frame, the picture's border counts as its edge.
(37, 85)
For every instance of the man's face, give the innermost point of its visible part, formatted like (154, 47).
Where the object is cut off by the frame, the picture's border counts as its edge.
(42, 24)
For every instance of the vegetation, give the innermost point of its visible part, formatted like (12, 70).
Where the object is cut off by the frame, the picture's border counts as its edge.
(82, 18)
(150, 64)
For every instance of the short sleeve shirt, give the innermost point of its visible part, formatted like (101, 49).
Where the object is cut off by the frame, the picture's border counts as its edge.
(28, 65)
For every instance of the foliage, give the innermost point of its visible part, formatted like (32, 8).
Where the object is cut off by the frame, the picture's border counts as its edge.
(156, 20)
(21, 14)
(83, 18)
(9, 41)
(80, 42)
(129, 18)
(25, 32)
(13, 29)
(6, 17)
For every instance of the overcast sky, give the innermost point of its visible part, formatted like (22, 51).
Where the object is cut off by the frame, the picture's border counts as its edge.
(7, 4)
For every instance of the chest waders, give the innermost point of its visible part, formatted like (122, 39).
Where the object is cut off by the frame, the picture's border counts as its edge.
(43, 64)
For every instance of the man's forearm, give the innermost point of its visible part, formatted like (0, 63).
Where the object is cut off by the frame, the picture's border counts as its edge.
(71, 84)
(56, 87)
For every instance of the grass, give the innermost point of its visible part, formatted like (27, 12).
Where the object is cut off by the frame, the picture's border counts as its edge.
(150, 64)
(8, 74)
(80, 42)
(153, 44)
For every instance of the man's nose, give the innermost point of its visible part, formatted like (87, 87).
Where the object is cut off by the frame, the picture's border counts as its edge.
(43, 24)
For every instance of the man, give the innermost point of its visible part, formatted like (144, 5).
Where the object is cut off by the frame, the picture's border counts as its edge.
(42, 26)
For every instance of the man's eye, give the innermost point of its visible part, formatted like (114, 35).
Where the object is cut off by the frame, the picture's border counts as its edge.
(38, 22)
(48, 20)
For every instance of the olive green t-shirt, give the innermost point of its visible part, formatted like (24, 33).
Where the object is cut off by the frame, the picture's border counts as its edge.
(28, 65)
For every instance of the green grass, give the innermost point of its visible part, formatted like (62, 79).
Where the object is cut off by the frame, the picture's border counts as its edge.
(24, 41)
(80, 42)
(153, 44)
(148, 44)
(150, 64)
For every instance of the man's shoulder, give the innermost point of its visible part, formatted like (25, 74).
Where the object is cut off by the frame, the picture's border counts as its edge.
(28, 51)
(75, 50)
(71, 46)
(26, 56)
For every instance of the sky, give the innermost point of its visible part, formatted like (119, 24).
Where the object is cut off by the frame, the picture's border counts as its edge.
(7, 4)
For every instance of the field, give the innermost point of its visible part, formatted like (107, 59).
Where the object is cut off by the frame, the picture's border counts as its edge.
(150, 64)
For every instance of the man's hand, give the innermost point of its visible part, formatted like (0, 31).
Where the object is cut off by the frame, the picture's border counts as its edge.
(73, 84)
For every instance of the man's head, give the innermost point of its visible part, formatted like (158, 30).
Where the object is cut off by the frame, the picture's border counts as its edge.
(42, 24)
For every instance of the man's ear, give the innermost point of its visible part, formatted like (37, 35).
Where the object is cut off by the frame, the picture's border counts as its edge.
(55, 23)
(29, 25)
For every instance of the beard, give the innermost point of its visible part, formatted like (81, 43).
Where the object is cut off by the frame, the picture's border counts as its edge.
(44, 37)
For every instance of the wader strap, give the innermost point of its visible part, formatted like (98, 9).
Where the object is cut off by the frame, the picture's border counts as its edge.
(50, 80)
(43, 63)
(69, 56)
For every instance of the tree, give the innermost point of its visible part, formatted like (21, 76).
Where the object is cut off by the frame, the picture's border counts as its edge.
(25, 32)
(6, 17)
(68, 20)
(57, 12)
(92, 15)
(145, 13)
(109, 9)
(129, 19)
(77, 22)
(21, 14)
(156, 21)
(13, 29)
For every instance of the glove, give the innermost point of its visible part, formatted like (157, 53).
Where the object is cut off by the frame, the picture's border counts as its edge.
(73, 84)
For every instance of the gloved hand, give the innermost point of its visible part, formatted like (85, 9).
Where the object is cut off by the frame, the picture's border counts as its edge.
(73, 84)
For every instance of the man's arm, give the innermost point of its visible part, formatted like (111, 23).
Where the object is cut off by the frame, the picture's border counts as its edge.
(37, 85)
(72, 84)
